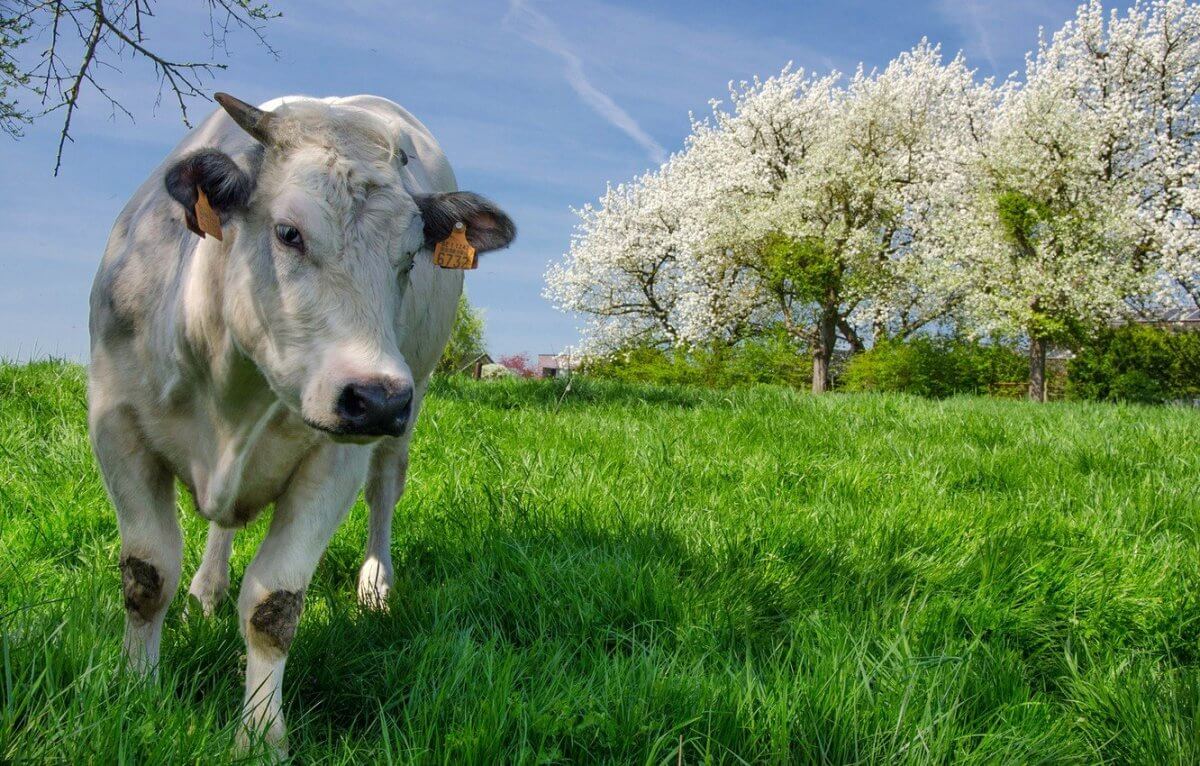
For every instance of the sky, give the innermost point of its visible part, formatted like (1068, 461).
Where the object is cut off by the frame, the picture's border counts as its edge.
(537, 105)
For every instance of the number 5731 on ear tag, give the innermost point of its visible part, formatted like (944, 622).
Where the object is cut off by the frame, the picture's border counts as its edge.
(455, 252)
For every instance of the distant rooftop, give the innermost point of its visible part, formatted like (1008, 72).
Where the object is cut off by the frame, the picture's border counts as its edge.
(1186, 319)
(552, 365)
(1176, 316)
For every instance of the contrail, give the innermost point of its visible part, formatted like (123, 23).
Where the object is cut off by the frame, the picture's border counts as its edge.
(541, 31)
(981, 32)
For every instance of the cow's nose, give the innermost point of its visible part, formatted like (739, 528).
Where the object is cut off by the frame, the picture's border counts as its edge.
(374, 408)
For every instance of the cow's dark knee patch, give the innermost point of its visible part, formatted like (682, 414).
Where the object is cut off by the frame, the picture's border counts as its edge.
(142, 585)
(275, 619)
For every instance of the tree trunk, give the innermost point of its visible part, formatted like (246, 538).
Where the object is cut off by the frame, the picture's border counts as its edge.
(1037, 369)
(851, 335)
(823, 348)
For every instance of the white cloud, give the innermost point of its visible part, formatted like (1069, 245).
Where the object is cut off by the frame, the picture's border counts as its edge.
(535, 27)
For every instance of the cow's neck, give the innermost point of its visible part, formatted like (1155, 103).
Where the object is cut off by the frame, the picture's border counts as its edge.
(233, 395)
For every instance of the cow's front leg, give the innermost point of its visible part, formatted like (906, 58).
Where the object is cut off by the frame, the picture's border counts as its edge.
(211, 581)
(385, 485)
(143, 493)
(272, 593)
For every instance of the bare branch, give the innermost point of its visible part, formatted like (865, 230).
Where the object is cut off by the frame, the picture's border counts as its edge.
(72, 97)
(108, 32)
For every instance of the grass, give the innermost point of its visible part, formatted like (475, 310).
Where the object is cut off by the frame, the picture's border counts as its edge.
(752, 576)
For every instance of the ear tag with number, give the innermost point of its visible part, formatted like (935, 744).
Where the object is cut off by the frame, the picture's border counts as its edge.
(455, 252)
(207, 218)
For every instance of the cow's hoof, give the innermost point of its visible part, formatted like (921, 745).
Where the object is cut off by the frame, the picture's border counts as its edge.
(139, 666)
(374, 586)
(195, 609)
(374, 597)
(200, 606)
(273, 741)
(204, 595)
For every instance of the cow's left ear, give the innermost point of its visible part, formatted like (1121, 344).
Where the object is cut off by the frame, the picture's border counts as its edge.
(488, 227)
(226, 186)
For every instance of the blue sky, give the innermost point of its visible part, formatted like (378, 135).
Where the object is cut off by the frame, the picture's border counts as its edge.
(537, 105)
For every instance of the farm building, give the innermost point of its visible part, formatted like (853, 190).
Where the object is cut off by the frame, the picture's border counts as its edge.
(474, 368)
(555, 365)
(1176, 320)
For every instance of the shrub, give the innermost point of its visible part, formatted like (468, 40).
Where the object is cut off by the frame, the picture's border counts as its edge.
(466, 339)
(1136, 363)
(761, 360)
(520, 364)
(640, 364)
(936, 367)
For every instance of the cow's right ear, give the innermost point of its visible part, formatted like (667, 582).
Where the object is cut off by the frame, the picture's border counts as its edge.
(226, 186)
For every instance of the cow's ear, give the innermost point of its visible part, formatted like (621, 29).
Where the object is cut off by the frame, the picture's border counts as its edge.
(226, 186)
(488, 227)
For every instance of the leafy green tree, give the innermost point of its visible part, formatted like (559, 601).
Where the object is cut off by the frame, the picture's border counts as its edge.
(466, 340)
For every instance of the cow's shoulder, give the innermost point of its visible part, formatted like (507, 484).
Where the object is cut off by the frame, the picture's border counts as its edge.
(139, 274)
(140, 269)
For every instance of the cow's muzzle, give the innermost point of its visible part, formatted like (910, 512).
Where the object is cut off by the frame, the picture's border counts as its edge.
(374, 408)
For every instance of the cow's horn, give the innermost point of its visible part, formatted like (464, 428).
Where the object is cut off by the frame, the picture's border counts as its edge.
(253, 120)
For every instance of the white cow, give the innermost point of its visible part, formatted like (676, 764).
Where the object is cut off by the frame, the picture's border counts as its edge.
(283, 362)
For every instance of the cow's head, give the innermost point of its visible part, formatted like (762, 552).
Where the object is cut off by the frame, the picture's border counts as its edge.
(319, 237)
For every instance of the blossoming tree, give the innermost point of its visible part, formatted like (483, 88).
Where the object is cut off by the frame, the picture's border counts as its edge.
(622, 271)
(853, 211)
(840, 233)
(1084, 206)
(804, 205)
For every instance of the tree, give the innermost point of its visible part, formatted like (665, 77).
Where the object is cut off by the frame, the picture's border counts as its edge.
(86, 39)
(645, 266)
(739, 162)
(1151, 59)
(634, 271)
(521, 364)
(1082, 213)
(623, 268)
(839, 237)
(917, 196)
(466, 339)
(13, 34)
(805, 205)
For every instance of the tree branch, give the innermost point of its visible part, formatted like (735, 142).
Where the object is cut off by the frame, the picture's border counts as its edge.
(112, 27)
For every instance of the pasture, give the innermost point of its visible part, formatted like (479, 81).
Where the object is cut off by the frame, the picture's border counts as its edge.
(632, 574)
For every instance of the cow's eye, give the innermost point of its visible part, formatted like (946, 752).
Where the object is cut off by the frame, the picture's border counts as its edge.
(290, 236)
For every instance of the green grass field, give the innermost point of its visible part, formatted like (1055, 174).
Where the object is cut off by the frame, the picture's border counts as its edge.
(758, 576)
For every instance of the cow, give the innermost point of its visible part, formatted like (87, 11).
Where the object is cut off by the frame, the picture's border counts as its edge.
(264, 323)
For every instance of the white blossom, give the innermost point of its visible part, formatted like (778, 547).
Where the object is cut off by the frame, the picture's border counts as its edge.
(903, 183)
(1099, 147)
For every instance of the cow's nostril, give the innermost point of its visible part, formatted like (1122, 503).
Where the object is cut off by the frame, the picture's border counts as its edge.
(403, 402)
(351, 404)
(374, 409)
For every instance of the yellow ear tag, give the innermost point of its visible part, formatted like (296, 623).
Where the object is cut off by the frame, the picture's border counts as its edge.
(207, 218)
(455, 252)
